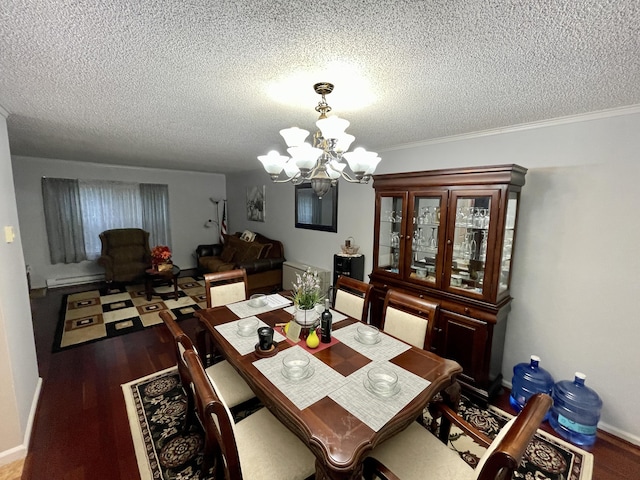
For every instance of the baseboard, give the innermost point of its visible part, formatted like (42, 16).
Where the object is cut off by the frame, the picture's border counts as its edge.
(20, 451)
(605, 427)
(76, 280)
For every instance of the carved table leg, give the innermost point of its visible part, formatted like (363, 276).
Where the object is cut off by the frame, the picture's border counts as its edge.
(451, 398)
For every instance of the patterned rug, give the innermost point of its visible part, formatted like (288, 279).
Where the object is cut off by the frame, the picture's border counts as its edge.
(546, 457)
(156, 407)
(107, 312)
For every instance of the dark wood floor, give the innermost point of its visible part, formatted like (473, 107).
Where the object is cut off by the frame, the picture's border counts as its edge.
(81, 430)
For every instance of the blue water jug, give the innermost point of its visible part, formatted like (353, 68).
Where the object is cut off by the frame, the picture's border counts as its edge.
(529, 379)
(576, 410)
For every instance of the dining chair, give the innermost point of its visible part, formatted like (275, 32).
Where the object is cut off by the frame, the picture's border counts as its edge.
(257, 447)
(415, 453)
(409, 318)
(352, 297)
(231, 385)
(226, 287)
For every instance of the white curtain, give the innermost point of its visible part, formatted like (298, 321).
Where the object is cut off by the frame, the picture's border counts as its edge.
(155, 213)
(107, 205)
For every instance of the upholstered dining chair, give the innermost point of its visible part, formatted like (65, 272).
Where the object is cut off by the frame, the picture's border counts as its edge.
(409, 318)
(352, 297)
(258, 446)
(416, 454)
(232, 387)
(226, 287)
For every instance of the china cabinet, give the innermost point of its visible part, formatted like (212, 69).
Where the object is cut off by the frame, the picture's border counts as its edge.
(448, 235)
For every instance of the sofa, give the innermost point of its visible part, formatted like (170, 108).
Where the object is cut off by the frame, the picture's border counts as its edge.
(125, 254)
(262, 259)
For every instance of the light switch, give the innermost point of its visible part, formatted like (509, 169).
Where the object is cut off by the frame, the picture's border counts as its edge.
(9, 234)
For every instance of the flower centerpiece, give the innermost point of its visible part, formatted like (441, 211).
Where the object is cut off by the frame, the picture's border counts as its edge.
(161, 257)
(306, 295)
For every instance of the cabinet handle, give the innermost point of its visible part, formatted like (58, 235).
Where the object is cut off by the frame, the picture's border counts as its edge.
(437, 330)
(448, 241)
(466, 310)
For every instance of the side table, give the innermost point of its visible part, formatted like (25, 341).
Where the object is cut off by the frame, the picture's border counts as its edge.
(153, 277)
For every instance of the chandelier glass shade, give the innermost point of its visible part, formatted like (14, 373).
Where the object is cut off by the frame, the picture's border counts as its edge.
(321, 162)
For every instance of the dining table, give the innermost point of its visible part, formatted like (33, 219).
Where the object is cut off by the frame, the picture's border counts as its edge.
(332, 409)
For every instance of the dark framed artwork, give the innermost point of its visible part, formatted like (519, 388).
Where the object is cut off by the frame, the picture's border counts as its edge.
(256, 203)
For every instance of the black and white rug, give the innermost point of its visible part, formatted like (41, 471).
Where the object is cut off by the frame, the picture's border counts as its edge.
(156, 407)
(106, 312)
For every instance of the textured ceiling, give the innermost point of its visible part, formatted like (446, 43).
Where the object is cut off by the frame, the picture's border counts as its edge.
(183, 84)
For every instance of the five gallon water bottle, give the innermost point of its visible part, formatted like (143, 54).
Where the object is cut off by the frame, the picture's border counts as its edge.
(529, 379)
(576, 410)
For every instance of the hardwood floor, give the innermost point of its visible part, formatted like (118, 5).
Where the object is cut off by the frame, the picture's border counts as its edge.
(81, 430)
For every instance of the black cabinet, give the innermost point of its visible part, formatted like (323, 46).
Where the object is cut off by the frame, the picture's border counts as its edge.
(349, 266)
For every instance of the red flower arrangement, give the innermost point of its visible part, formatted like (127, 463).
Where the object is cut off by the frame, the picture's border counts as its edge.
(160, 254)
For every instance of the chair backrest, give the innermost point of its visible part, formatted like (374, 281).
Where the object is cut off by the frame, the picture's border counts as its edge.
(409, 318)
(217, 422)
(506, 451)
(352, 297)
(182, 344)
(227, 287)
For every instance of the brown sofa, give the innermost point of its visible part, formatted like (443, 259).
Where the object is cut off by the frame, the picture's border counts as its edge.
(262, 259)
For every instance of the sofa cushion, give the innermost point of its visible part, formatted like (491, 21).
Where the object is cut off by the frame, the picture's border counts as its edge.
(266, 250)
(251, 252)
(215, 264)
(227, 254)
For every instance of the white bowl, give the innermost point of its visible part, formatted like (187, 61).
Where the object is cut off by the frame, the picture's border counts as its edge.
(258, 300)
(368, 334)
(382, 381)
(248, 327)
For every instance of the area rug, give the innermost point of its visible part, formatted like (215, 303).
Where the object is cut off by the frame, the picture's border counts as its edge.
(107, 312)
(156, 407)
(546, 458)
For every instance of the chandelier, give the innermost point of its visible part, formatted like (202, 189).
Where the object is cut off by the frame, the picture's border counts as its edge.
(320, 163)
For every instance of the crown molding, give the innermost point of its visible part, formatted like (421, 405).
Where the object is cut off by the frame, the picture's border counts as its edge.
(583, 117)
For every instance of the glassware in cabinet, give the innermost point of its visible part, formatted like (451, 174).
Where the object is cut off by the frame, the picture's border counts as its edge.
(391, 233)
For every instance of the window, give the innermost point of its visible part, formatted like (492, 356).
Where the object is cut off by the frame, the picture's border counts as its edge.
(77, 211)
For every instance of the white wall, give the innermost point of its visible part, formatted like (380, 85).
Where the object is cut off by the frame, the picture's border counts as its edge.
(18, 364)
(189, 204)
(575, 280)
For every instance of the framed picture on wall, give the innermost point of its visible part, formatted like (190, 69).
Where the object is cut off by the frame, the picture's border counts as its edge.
(255, 203)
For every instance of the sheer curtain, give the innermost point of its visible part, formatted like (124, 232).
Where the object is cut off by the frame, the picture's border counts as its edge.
(107, 205)
(63, 219)
(155, 213)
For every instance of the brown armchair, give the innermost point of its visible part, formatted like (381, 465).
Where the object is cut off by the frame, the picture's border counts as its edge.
(125, 254)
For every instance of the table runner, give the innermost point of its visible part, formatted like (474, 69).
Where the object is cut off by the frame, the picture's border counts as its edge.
(386, 349)
(243, 309)
(371, 409)
(302, 393)
(244, 345)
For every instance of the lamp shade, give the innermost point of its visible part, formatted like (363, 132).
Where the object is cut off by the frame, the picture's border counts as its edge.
(344, 142)
(305, 156)
(273, 162)
(360, 160)
(291, 169)
(294, 136)
(332, 127)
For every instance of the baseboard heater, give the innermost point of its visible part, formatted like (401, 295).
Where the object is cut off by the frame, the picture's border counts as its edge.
(290, 269)
(75, 280)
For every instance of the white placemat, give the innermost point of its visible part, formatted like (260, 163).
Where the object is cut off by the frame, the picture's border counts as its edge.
(386, 349)
(371, 409)
(335, 315)
(302, 393)
(243, 309)
(244, 345)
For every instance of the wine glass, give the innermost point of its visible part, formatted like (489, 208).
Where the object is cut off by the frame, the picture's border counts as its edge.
(483, 246)
(433, 241)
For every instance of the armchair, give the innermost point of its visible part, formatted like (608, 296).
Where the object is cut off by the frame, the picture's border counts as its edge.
(125, 254)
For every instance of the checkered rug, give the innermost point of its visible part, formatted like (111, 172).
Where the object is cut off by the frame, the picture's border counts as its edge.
(103, 313)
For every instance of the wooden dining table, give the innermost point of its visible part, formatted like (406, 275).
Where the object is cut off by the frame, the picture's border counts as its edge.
(339, 440)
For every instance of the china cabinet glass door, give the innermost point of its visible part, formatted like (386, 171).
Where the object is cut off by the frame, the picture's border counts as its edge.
(425, 231)
(470, 242)
(391, 239)
(507, 245)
